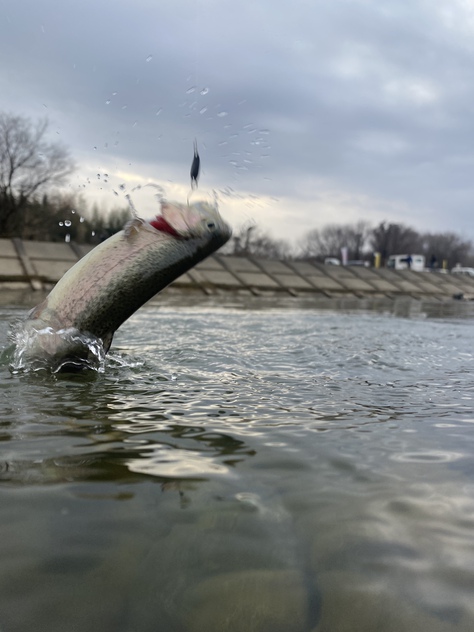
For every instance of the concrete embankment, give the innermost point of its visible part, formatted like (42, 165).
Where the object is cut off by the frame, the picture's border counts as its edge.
(34, 265)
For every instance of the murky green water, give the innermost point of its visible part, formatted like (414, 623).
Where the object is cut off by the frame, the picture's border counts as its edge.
(244, 470)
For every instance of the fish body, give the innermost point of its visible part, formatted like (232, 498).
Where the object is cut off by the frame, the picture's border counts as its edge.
(104, 288)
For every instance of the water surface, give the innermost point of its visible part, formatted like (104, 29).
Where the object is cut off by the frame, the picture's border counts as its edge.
(244, 469)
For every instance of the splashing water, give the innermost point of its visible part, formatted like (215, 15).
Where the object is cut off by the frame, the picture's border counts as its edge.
(42, 348)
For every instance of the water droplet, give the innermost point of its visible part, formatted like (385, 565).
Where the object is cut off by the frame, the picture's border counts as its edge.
(222, 114)
(233, 136)
(135, 124)
(174, 377)
(122, 187)
(95, 148)
(67, 222)
(73, 211)
(191, 90)
(233, 162)
(149, 58)
(202, 110)
(223, 142)
(115, 192)
(252, 131)
(248, 126)
(264, 131)
(124, 107)
(82, 219)
(114, 94)
(98, 176)
(93, 233)
(158, 112)
(204, 91)
(61, 223)
(107, 102)
(67, 239)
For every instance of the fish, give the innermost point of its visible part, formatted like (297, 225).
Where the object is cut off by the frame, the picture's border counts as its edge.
(104, 288)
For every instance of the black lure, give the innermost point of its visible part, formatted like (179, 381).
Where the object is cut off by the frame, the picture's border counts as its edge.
(195, 167)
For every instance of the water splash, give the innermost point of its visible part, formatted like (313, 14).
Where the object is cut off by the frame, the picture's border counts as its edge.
(41, 348)
(204, 91)
(131, 204)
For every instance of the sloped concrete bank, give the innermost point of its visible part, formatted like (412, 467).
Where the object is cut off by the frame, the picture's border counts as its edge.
(37, 266)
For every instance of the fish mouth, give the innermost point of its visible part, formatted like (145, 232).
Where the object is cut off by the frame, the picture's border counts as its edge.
(160, 224)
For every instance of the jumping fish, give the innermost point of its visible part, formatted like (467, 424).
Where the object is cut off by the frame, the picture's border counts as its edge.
(111, 282)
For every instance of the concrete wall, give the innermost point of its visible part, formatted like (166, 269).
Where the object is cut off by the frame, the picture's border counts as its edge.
(39, 265)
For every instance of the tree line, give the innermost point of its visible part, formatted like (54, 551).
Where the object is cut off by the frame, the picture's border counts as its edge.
(32, 206)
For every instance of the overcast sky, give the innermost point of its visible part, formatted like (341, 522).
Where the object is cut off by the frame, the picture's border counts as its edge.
(305, 112)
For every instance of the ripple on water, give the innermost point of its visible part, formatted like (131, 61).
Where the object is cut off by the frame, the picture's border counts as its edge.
(223, 453)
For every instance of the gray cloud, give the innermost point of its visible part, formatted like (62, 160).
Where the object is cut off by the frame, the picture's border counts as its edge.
(339, 110)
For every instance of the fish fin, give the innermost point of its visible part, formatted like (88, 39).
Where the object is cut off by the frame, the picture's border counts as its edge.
(132, 227)
(107, 341)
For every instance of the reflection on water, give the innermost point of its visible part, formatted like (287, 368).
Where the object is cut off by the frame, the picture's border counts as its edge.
(258, 469)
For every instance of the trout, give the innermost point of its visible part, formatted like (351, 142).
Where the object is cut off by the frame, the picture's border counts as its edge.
(113, 280)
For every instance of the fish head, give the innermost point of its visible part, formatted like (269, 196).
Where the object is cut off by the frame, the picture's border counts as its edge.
(200, 221)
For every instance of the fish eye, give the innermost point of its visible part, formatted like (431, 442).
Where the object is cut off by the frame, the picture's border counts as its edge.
(211, 225)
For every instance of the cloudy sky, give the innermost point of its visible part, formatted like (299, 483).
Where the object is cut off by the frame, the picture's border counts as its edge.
(305, 112)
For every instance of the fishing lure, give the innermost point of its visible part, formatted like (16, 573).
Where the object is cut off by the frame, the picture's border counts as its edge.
(195, 167)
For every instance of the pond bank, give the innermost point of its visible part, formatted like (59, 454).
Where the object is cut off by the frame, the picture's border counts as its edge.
(37, 266)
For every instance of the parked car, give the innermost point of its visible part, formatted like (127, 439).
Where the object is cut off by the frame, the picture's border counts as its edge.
(332, 261)
(461, 270)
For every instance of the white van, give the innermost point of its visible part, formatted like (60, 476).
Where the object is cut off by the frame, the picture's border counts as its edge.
(400, 262)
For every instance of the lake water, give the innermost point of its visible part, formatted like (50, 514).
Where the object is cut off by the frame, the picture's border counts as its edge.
(245, 468)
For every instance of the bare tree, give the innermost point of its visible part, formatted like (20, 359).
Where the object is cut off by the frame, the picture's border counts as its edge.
(438, 247)
(251, 240)
(28, 163)
(393, 239)
(328, 241)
